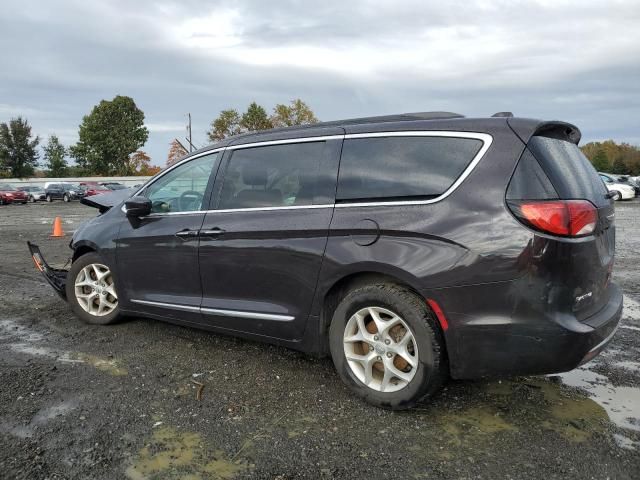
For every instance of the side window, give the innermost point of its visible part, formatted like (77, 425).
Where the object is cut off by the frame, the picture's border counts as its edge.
(401, 167)
(272, 176)
(183, 188)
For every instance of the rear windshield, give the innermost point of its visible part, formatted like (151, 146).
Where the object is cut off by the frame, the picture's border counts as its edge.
(569, 170)
(401, 167)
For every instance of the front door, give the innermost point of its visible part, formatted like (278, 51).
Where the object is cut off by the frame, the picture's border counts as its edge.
(262, 247)
(157, 255)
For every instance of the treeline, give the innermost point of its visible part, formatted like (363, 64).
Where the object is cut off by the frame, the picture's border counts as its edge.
(109, 143)
(612, 157)
(231, 122)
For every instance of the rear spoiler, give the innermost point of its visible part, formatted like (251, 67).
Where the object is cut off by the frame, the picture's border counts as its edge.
(526, 128)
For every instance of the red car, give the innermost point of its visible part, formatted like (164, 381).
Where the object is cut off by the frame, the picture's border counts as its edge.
(93, 188)
(9, 194)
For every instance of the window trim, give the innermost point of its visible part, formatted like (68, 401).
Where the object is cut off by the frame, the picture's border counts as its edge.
(485, 138)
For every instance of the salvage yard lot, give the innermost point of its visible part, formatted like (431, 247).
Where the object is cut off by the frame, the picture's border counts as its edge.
(79, 401)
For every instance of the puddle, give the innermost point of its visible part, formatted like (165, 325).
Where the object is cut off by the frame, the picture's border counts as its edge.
(26, 342)
(110, 366)
(42, 417)
(174, 454)
(622, 404)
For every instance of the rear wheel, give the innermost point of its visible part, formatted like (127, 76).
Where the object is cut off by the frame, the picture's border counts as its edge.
(32, 199)
(386, 346)
(49, 199)
(616, 195)
(65, 197)
(91, 290)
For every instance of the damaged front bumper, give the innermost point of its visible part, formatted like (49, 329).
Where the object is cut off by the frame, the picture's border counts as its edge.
(56, 277)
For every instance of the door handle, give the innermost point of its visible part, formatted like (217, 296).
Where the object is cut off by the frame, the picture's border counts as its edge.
(186, 234)
(213, 232)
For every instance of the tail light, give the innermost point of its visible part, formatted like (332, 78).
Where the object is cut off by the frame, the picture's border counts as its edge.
(566, 218)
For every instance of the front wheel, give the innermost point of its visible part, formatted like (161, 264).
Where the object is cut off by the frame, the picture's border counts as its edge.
(616, 196)
(65, 197)
(91, 290)
(49, 199)
(387, 347)
(32, 199)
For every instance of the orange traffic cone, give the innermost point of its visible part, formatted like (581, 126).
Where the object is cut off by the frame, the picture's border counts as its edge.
(57, 228)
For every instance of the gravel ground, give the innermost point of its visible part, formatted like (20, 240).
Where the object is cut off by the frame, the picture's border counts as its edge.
(79, 401)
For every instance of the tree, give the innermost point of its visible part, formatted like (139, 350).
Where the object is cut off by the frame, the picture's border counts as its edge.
(18, 154)
(227, 124)
(108, 135)
(600, 162)
(620, 156)
(176, 152)
(55, 162)
(298, 113)
(140, 164)
(255, 118)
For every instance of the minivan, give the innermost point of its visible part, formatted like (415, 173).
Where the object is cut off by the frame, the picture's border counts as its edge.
(410, 248)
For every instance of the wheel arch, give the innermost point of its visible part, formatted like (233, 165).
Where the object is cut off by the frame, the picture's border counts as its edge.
(82, 248)
(339, 288)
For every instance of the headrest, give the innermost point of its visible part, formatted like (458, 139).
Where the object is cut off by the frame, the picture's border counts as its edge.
(256, 176)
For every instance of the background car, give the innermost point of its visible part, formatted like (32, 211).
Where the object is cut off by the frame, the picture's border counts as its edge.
(11, 194)
(34, 192)
(93, 188)
(625, 180)
(619, 191)
(113, 185)
(63, 191)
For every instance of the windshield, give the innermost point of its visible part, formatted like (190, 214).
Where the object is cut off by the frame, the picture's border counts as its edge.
(6, 186)
(116, 187)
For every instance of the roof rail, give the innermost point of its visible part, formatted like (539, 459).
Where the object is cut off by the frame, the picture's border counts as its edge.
(503, 114)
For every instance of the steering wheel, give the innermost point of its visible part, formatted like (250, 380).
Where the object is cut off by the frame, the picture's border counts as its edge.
(188, 199)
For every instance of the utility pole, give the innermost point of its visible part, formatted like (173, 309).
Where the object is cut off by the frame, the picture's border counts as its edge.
(188, 139)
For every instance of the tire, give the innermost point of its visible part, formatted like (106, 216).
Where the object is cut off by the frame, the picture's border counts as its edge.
(617, 196)
(32, 199)
(387, 299)
(49, 199)
(93, 308)
(65, 198)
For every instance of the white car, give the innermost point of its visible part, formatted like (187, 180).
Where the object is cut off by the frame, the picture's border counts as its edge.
(619, 191)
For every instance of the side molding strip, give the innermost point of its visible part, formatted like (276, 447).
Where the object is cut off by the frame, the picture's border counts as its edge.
(218, 311)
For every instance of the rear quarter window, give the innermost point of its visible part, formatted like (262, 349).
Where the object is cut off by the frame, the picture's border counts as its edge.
(402, 167)
(569, 170)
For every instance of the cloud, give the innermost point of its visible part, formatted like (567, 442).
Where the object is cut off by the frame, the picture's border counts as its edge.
(577, 61)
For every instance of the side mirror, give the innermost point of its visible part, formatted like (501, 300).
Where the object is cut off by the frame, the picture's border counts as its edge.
(137, 207)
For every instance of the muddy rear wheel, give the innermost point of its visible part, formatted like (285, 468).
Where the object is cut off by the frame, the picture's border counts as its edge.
(387, 347)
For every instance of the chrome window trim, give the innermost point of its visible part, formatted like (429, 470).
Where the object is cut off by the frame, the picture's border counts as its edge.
(248, 209)
(285, 141)
(484, 137)
(217, 311)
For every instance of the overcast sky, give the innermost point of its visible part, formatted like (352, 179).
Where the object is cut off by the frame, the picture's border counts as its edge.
(575, 61)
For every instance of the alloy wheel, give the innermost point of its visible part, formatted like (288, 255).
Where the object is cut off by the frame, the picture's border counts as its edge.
(95, 290)
(380, 349)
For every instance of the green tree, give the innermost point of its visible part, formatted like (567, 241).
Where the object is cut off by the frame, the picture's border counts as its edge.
(297, 113)
(54, 153)
(108, 135)
(18, 154)
(620, 167)
(227, 124)
(600, 161)
(255, 118)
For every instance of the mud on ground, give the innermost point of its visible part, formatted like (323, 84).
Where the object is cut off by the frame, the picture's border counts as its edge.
(80, 401)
